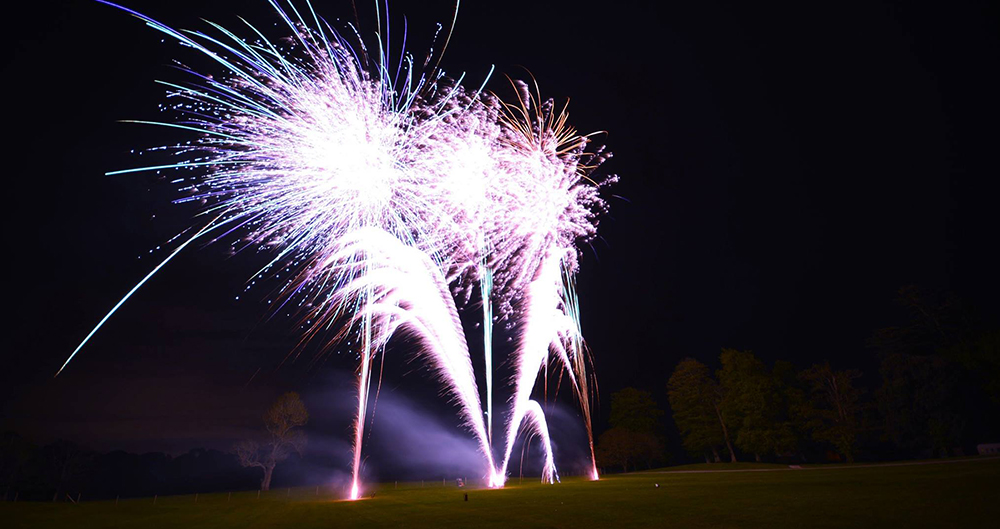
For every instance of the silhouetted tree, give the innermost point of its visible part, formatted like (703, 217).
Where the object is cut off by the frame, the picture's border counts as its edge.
(15, 453)
(68, 465)
(625, 448)
(635, 430)
(919, 401)
(833, 409)
(984, 359)
(937, 366)
(635, 410)
(934, 322)
(752, 402)
(281, 421)
(979, 355)
(793, 393)
(695, 399)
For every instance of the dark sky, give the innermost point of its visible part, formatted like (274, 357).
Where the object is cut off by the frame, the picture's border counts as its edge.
(784, 170)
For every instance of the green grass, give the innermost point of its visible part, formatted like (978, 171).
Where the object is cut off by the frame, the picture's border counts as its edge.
(959, 494)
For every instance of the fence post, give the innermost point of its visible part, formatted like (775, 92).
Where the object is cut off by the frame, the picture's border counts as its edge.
(154, 499)
(258, 494)
(116, 500)
(289, 493)
(196, 497)
(229, 497)
(317, 490)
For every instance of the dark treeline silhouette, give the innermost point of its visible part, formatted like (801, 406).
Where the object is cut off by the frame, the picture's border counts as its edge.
(936, 393)
(63, 470)
(747, 410)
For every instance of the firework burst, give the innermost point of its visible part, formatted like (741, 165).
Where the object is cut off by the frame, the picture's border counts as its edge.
(384, 197)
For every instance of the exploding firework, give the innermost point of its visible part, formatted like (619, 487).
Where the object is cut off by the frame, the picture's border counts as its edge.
(384, 197)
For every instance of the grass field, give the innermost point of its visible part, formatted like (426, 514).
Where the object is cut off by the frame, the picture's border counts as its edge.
(954, 494)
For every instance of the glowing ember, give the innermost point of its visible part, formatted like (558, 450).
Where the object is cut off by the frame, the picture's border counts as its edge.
(385, 195)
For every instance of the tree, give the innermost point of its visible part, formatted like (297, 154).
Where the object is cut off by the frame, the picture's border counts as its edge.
(939, 363)
(623, 447)
(68, 465)
(635, 410)
(982, 357)
(752, 402)
(635, 430)
(281, 421)
(833, 410)
(15, 453)
(919, 401)
(794, 397)
(695, 400)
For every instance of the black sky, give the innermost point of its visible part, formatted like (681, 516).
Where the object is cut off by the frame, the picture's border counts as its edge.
(784, 169)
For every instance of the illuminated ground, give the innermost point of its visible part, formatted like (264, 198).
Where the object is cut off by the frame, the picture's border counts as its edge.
(955, 494)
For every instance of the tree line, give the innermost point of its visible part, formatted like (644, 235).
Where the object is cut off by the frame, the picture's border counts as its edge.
(63, 470)
(937, 393)
(746, 408)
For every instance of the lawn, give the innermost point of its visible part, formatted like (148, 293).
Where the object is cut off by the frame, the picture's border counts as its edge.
(956, 494)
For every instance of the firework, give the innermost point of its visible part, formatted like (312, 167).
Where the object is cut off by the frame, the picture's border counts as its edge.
(385, 196)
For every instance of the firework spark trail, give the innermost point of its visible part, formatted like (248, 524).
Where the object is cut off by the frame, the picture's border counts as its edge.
(554, 205)
(408, 293)
(138, 285)
(541, 323)
(486, 285)
(536, 425)
(385, 197)
(576, 360)
(364, 384)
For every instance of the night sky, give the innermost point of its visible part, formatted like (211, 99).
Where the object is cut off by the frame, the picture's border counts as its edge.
(784, 170)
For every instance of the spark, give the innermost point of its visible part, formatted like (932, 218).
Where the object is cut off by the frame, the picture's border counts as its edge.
(133, 291)
(384, 196)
